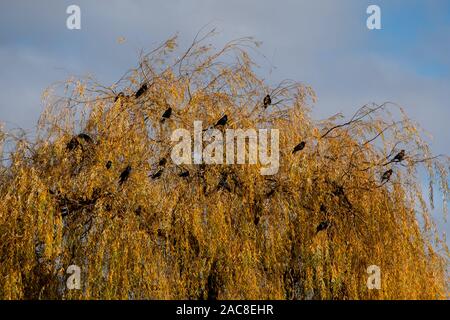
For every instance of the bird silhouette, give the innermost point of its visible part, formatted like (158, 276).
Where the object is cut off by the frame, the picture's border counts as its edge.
(157, 174)
(184, 174)
(85, 137)
(162, 162)
(120, 95)
(166, 114)
(108, 164)
(72, 144)
(141, 91)
(323, 226)
(267, 101)
(387, 175)
(400, 156)
(124, 175)
(299, 147)
(222, 121)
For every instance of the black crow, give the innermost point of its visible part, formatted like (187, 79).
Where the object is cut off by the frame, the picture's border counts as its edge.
(162, 162)
(109, 164)
(85, 137)
(120, 95)
(299, 147)
(157, 174)
(124, 175)
(267, 101)
(166, 114)
(141, 91)
(72, 144)
(387, 175)
(184, 174)
(323, 226)
(400, 156)
(222, 121)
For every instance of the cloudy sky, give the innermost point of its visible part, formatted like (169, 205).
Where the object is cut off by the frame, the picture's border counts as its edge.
(324, 43)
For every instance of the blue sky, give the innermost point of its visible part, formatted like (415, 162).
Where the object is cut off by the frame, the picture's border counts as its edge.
(412, 32)
(324, 43)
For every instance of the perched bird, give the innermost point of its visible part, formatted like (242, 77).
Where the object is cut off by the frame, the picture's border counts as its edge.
(299, 147)
(400, 156)
(124, 175)
(166, 114)
(162, 162)
(141, 91)
(387, 175)
(184, 174)
(222, 121)
(157, 174)
(120, 95)
(323, 226)
(108, 164)
(72, 144)
(85, 137)
(267, 101)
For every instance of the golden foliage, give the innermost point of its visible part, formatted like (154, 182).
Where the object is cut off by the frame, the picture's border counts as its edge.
(177, 238)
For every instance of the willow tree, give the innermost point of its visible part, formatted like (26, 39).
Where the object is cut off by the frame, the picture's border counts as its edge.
(165, 231)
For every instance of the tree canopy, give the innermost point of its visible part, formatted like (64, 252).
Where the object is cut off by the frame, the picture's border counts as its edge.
(96, 187)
